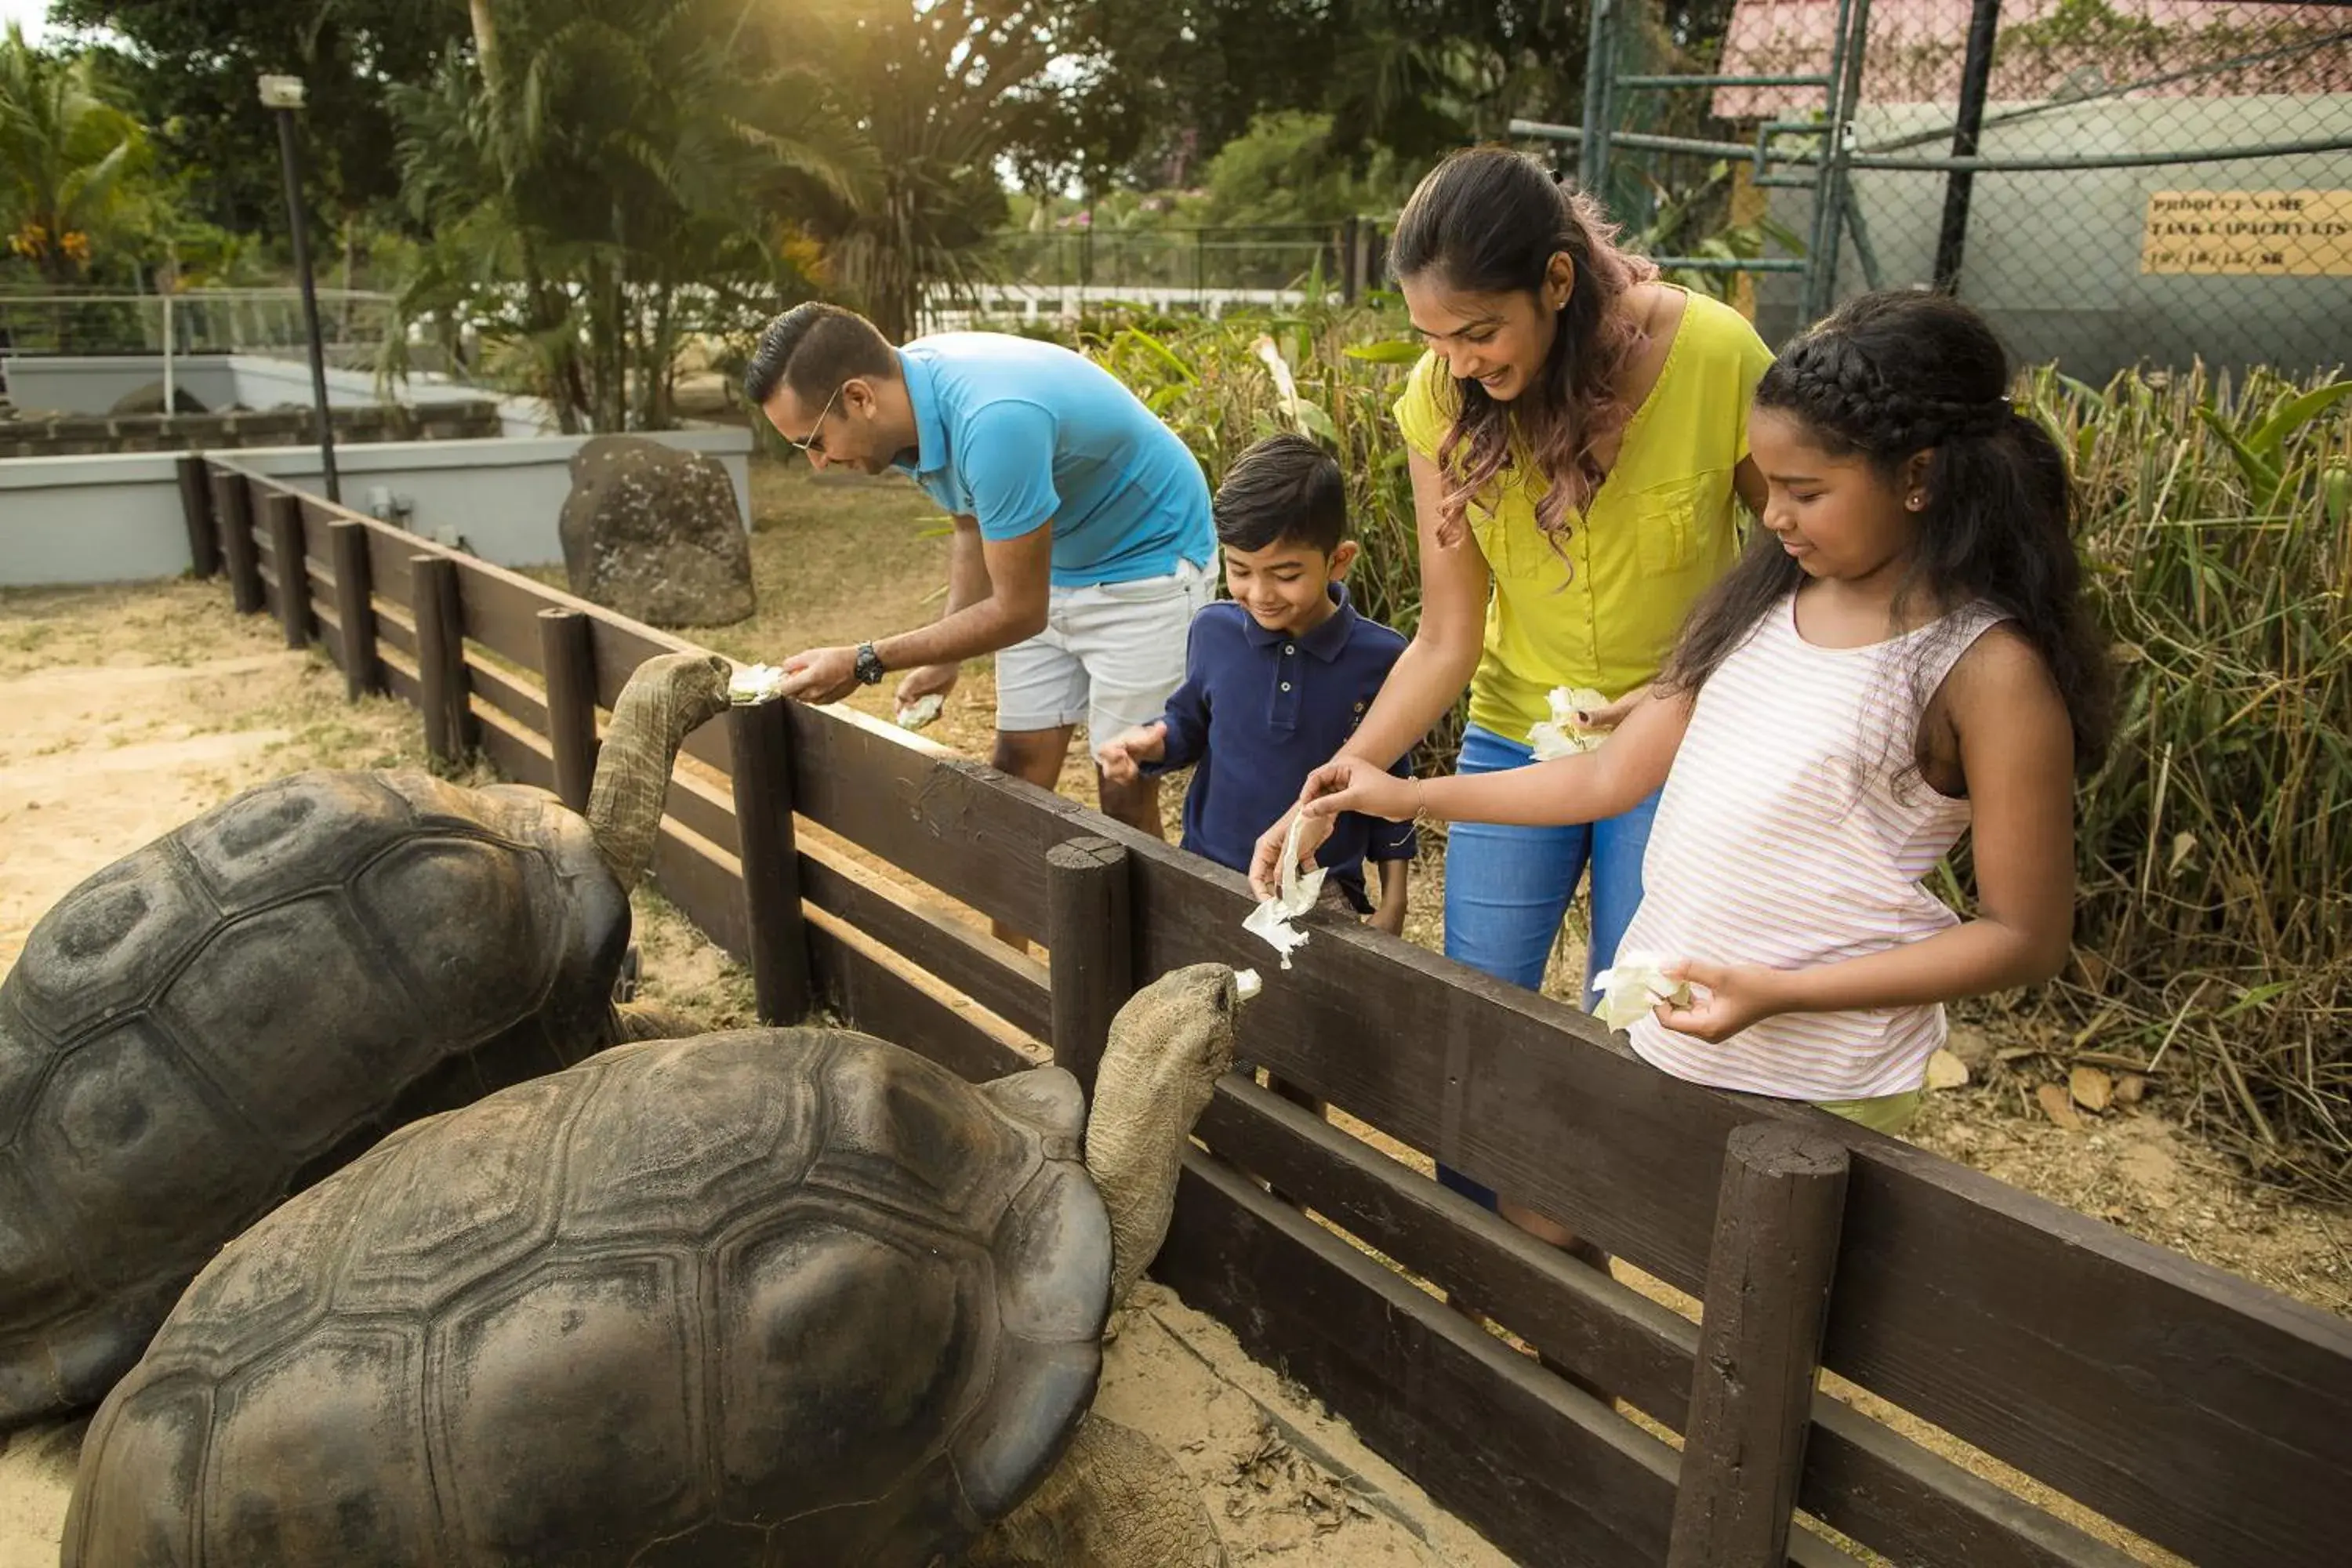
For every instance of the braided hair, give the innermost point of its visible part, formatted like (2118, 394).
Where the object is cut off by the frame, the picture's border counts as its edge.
(1888, 376)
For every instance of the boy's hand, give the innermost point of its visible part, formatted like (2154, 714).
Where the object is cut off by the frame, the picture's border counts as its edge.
(1118, 757)
(1352, 784)
(925, 680)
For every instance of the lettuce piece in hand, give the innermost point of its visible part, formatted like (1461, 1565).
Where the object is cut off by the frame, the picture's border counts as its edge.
(754, 683)
(1271, 919)
(1561, 735)
(1635, 984)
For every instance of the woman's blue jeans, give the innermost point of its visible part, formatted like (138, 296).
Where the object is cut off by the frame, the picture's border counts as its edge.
(1507, 890)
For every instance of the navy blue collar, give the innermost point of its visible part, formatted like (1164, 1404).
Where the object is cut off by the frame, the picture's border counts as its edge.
(1326, 642)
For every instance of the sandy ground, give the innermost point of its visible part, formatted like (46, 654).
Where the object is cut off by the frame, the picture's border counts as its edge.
(128, 711)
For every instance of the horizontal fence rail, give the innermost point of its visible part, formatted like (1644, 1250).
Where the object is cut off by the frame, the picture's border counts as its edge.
(2187, 1405)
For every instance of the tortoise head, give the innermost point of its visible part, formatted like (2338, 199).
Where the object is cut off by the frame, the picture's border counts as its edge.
(668, 697)
(1168, 1047)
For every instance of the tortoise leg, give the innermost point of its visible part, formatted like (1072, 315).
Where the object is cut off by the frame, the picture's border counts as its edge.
(1117, 1501)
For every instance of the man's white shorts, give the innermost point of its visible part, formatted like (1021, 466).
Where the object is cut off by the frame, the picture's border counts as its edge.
(1110, 656)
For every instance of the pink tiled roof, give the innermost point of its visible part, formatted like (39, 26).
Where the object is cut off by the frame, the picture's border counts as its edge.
(1916, 47)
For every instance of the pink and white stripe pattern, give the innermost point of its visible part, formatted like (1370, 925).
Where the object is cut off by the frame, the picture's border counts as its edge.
(1782, 840)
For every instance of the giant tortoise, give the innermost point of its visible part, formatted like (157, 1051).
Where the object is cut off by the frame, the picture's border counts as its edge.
(246, 1003)
(783, 1297)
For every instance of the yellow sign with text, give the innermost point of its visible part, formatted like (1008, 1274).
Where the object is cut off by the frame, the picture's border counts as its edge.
(2250, 234)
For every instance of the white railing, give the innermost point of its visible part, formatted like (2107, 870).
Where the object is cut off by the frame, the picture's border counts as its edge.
(267, 322)
(951, 309)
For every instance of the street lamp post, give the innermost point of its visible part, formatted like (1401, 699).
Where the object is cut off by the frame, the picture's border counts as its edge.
(283, 96)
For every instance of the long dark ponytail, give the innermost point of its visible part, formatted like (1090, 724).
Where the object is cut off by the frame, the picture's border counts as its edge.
(1891, 375)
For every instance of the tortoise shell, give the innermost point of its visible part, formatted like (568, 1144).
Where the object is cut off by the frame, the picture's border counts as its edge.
(218, 1018)
(765, 1296)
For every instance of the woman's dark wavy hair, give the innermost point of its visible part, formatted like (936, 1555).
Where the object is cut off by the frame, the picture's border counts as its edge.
(1488, 220)
(1889, 375)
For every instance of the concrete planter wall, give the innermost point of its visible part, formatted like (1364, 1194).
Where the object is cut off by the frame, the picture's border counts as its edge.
(116, 518)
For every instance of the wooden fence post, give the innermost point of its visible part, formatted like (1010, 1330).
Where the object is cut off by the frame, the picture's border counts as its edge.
(1768, 1293)
(233, 516)
(759, 736)
(567, 661)
(1090, 949)
(282, 515)
(347, 546)
(196, 512)
(441, 657)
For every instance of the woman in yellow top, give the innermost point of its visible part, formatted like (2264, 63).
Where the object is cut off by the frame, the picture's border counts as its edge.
(1578, 437)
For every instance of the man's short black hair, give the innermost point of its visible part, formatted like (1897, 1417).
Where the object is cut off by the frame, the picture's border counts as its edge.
(812, 348)
(1284, 489)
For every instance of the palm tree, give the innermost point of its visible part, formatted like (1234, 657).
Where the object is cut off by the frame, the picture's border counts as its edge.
(939, 92)
(65, 156)
(601, 185)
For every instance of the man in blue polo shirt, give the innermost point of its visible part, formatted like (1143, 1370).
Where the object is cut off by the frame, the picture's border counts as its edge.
(1082, 545)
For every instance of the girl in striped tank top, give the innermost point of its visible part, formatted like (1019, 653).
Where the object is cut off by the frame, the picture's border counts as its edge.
(1903, 653)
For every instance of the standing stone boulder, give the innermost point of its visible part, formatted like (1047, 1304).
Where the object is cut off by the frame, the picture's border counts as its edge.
(656, 534)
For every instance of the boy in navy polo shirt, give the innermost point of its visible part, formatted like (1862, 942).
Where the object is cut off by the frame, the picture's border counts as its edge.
(1276, 677)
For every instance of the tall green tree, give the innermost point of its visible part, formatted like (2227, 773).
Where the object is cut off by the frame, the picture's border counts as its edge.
(940, 94)
(191, 68)
(603, 177)
(70, 164)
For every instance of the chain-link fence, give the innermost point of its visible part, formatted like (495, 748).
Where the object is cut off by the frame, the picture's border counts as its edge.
(2112, 181)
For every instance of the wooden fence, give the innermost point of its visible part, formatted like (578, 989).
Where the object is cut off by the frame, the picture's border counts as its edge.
(2193, 1408)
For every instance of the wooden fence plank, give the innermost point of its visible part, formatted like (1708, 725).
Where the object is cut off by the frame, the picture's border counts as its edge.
(392, 626)
(515, 698)
(354, 614)
(704, 882)
(567, 664)
(518, 754)
(929, 813)
(197, 515)
(1573, 1312)
(760, 735)
(401, 681)
(1768, 1293)
(233, 519)
(1860, 1476)
(1090, 949)
(1547, 1473)
(281, 515)
(441, 657)
(1009, 985)
(874, 992)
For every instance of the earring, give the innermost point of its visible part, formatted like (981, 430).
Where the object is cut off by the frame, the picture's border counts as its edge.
(1915, 500)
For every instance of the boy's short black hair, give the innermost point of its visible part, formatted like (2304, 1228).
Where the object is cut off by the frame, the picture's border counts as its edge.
(1284, 489)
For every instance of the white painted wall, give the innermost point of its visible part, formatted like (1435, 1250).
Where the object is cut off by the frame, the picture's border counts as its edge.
(117, 518)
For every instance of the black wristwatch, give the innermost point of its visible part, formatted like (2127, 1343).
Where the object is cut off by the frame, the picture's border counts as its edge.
(869, 665)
